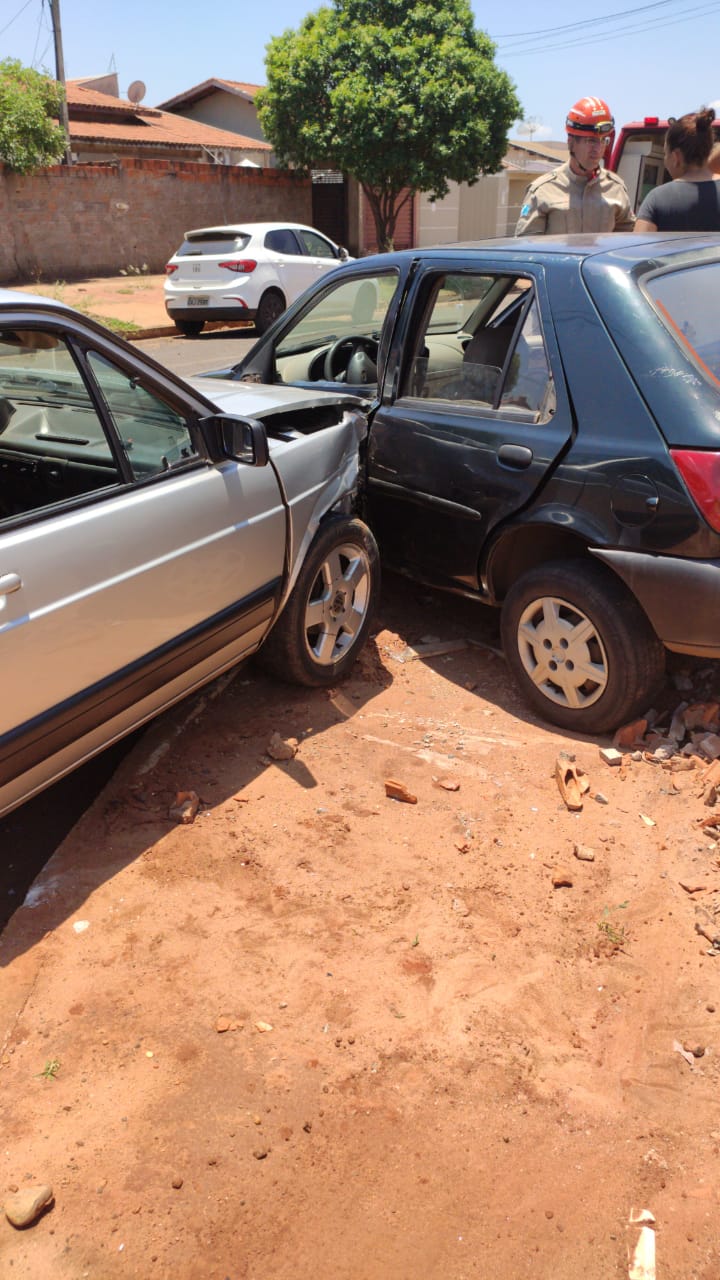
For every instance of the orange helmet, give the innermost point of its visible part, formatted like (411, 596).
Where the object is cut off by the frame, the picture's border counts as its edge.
(589, 117)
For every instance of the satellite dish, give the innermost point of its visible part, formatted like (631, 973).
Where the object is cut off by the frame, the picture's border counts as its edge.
(137, 91)
(529, 126)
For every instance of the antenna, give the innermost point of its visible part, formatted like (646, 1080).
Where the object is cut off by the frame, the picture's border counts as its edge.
(136, 92)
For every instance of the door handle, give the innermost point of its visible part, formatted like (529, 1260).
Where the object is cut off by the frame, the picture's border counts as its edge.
(9, 582)
(516, 456)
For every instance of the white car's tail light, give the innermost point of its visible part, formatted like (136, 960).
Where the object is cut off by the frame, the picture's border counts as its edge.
(244, 266)
(171, 266)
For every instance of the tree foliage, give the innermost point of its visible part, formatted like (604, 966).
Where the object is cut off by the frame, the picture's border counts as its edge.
(30, 136)
(402, 94)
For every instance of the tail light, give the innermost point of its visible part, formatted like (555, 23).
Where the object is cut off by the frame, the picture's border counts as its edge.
(701, 473)
(171, 266)
(651, 122)
(245, 266)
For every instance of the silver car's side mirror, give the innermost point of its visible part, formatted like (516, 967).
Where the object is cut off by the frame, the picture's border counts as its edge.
(243, 439)
(343, 254)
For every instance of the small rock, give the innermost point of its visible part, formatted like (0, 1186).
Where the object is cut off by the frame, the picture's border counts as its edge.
(461, 907)
(185, 808)
(222, 1024)
(584, 853)
(698, 1051)
(398, 791)
(447, 784)
(260, 1153)
(561, 880)
(701, 715)
(282, 748)
(599, 798)
(629, 734)
(611, 755)
(263, 1026)
(307, 1127)
(710, 1008)
(177, 1182)
(25, 1206)
(711, 745)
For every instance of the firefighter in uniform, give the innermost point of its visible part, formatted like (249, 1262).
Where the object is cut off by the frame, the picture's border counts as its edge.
(580, 195)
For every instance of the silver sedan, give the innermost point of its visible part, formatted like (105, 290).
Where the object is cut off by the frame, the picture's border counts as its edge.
(153, 532)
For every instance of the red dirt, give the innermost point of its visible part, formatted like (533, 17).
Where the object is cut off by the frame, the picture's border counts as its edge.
(469, 1071)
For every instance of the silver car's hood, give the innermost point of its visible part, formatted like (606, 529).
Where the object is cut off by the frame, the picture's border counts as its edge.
(257, 400)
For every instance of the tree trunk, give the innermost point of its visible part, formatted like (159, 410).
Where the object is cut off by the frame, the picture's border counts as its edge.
(385, 206)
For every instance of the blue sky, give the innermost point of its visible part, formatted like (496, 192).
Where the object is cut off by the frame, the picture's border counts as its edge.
(656, 59)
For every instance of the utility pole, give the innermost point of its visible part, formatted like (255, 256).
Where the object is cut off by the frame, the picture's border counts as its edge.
(60, 76)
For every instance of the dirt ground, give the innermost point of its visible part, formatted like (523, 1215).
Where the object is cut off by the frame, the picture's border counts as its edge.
(324, 1033)
(137, 301)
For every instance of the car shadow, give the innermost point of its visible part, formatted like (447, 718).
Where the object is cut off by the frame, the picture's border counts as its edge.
(215, 744)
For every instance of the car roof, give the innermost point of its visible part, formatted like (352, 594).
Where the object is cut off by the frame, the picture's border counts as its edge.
(631, 246)
(240, 228)
(14, 298)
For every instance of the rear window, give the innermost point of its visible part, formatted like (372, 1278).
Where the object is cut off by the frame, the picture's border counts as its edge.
(213, 242)
(687, 303)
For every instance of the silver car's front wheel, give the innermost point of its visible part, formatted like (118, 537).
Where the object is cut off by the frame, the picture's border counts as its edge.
(326, 620)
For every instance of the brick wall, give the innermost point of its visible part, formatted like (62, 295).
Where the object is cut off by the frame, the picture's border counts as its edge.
(93, 220)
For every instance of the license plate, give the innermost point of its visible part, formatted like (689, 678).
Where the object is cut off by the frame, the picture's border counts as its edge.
(197, 302)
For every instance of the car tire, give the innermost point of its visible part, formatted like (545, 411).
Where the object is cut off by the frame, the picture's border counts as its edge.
(580, 647)
(326, 619)
(191, 328)
(271, 305)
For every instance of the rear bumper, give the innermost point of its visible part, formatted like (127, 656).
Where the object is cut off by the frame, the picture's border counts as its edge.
(680, 597)
(211, 313)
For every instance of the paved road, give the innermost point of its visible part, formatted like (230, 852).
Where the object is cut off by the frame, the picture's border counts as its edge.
(30, 835)
(187, 356)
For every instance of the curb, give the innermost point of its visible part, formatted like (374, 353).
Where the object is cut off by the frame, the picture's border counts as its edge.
(169, 331)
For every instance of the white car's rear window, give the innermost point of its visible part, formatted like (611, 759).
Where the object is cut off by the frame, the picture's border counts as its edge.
(207, 243)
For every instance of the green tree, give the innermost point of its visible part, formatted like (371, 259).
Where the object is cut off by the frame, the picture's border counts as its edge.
(30, 136)
(404, 95)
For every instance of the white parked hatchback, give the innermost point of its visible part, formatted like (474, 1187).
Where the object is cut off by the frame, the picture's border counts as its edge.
(251, 271)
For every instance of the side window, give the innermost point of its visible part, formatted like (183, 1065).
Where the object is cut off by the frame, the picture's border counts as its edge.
(283, 241)
(469, 351)
(528, 385)
(317, 246)
(53, 445)
(153, 434)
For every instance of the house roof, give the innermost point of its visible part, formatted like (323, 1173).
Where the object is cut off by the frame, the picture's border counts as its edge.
(213, 85)
(97, 116)
(556, 151)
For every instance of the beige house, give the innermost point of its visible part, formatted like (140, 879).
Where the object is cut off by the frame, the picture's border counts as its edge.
(492, 205)
(224, 104)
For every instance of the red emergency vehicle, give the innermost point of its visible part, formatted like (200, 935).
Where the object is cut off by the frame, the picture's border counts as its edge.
(638, 156)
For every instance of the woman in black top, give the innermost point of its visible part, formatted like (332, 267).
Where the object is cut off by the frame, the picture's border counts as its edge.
(691, 202)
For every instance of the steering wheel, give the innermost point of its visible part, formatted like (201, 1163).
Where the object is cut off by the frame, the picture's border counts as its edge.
(359, 355)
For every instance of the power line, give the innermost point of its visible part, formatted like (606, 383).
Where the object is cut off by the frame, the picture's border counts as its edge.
(39, 29)
(613, 35)
(17, 15)
(587, 22)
